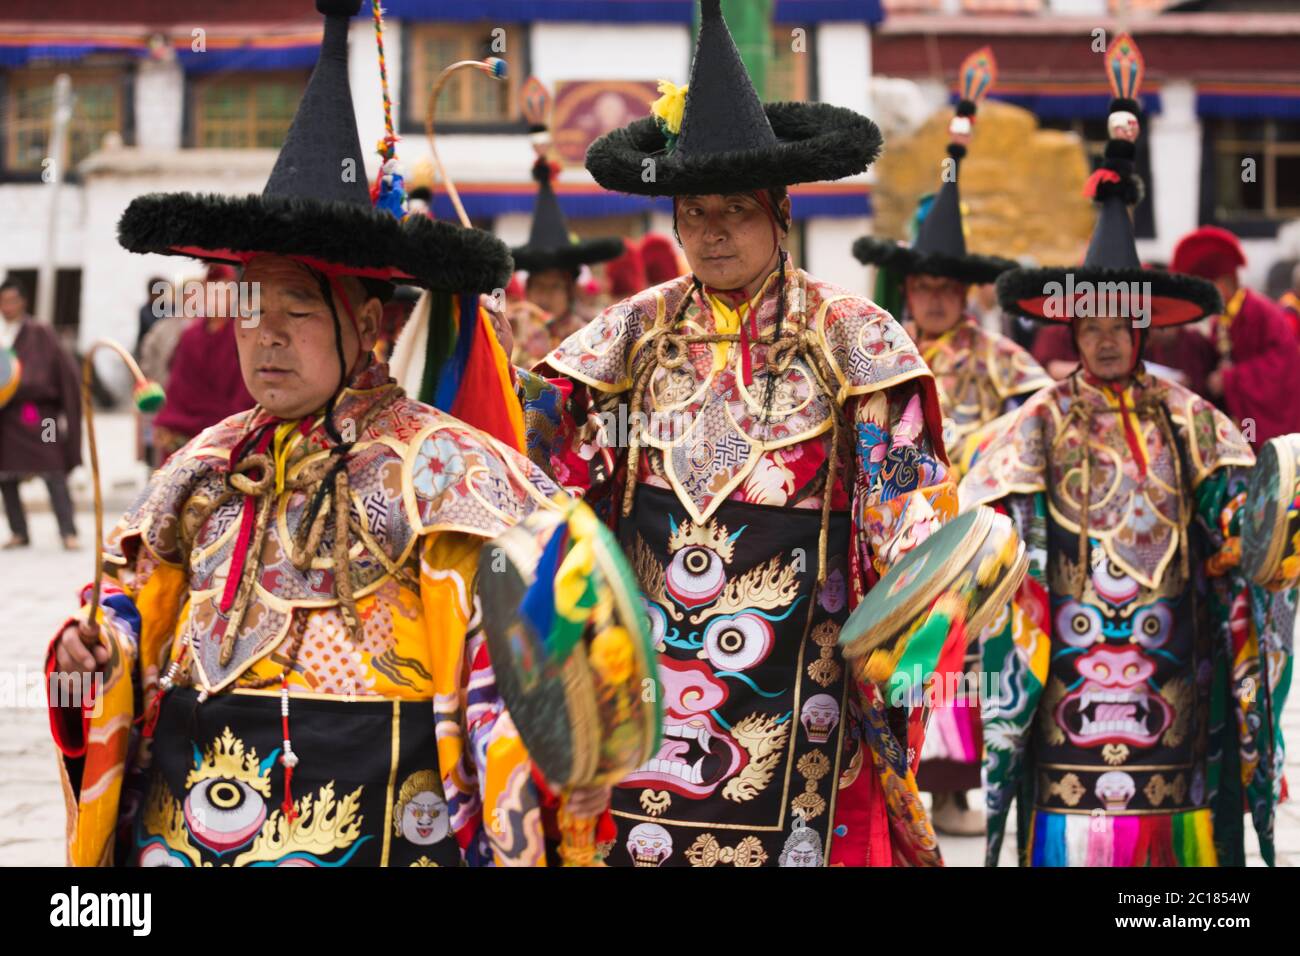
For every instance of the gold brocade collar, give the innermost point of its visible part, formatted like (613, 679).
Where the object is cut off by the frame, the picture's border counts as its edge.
(1140, 389)
(355, 403)
(957, 338)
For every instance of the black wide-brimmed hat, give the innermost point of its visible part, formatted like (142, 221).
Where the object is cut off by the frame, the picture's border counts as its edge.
(939, 248)
(550, 246)
(1111, 265)
(316, 206)
(723, 139)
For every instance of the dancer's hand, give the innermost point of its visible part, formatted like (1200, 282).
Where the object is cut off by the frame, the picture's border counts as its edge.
(587, 802)
(78, 650)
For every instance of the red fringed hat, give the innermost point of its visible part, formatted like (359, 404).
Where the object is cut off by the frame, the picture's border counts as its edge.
(1208, 252)
(626, 274)
(659, 256)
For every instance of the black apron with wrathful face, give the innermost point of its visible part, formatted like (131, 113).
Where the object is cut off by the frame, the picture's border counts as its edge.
(752, 687)
(366, 789)
(1122, 723)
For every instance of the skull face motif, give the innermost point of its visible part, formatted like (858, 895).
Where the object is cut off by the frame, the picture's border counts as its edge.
(1123, 125)
(649, 845)
(819, 716)
(959, 130)
(424, 819)
(803, 847)
(832, 593)
(1116, 699)
(1115, 789)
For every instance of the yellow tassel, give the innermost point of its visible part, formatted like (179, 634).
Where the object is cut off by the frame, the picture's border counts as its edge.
(670, 106)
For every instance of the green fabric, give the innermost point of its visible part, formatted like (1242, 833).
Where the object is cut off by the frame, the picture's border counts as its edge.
(889, 291)
(1270, 617)
(1008, 721)
(921, 655)
(750, 23)
(441, 342)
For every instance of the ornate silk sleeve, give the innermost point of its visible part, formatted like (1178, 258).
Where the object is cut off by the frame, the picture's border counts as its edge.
(93, 724)
(1015, 647)
(903, 487)
(1253, 653)
(141, 597)
(486, 772)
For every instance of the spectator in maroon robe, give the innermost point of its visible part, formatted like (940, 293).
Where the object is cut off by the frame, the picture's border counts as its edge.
(205, 384)
(1260, 361)
(1054, 350)
(40, 424)
(1290, 300)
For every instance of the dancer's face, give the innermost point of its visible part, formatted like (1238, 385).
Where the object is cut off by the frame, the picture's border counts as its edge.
(935, 303)
(551, 290)
(1106, 346)
(730, 241)
(287, 351)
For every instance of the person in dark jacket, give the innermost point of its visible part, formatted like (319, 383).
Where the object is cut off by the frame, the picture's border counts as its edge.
(40, 425)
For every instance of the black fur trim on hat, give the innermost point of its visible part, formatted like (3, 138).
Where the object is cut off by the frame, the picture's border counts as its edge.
(437, 255)
(815, 142)
(586, 252)
(1019, 285)
(1122, 104)
(966, 107)
(1130, 188)
(970, 269)
(1120, 149)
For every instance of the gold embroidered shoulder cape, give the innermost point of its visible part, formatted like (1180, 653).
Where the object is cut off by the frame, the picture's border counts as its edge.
(1135, 517)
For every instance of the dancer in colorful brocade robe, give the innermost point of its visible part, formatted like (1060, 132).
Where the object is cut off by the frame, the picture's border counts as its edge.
(290, 662)
(783, 449)
(1122, 730)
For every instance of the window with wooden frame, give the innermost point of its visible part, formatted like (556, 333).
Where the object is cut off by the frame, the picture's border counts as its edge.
(468, 98)
(251, 110)
(1256, 168)
(98, 105)
(789, 70)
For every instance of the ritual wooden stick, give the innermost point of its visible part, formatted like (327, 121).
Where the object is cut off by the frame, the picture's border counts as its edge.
(492, 66)
(148, 397)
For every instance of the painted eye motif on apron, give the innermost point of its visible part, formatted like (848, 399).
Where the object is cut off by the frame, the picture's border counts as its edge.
(1152, 625)
(223, 813)
(695, 577)
(1078, 624)
(155, 854)
(738, 643)
(1113, 584)
(658, 621)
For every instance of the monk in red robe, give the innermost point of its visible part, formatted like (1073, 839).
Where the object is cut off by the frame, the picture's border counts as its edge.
(205, 385)
(1260, 361)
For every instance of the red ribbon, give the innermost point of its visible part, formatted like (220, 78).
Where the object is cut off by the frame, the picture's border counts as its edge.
(1096, 179)
(1130, 433)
